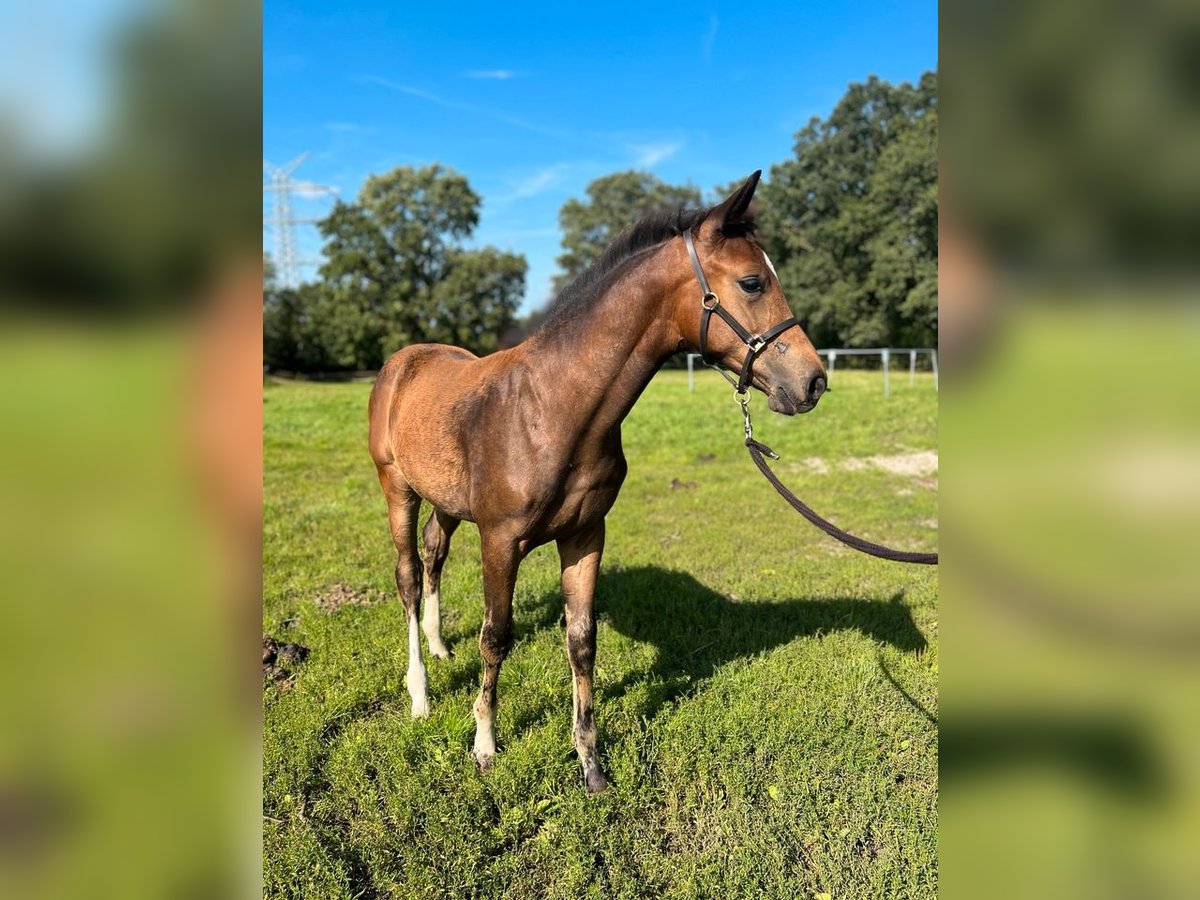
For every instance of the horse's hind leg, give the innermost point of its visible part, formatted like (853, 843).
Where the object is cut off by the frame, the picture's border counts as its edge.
(403, 507)
(436, 539)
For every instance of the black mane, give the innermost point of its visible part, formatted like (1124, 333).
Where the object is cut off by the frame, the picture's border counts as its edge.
(641, 236)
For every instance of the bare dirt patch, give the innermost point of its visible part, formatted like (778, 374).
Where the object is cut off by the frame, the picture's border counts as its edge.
(338, 595)
(921, 464)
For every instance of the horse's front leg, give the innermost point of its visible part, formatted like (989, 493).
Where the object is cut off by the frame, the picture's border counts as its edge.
(580, 558)
(501, 556)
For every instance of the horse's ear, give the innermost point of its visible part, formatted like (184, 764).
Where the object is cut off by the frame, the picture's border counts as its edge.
(735, 209)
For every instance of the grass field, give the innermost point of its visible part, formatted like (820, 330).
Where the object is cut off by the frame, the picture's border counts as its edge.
(766, 699)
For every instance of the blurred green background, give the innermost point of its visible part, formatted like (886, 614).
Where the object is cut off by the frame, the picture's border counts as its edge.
(1070, 432)
(130, 393)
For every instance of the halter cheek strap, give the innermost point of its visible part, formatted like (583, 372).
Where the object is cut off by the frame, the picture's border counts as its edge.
(711, 303)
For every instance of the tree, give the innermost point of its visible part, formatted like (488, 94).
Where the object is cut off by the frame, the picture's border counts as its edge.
(280, 329)
(153, 205)
(282, 314)
(614, 202)
(851, 221)
(395, 272)
(494, 281)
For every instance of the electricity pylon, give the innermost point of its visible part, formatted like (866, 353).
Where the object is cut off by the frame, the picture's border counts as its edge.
(279, 181)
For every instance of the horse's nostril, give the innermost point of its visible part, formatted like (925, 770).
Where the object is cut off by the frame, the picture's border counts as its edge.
(816, 387)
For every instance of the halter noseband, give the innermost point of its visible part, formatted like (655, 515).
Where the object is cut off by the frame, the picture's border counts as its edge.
(711, 303)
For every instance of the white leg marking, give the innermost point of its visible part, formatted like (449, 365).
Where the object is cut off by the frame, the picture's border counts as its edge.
(415, 680)
(431, 624)
(485, 736)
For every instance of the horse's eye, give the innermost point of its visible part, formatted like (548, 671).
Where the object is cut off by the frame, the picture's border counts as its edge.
(751, 285)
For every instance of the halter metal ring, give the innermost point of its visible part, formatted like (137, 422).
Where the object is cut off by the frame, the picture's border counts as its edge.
(743, 400)
(709, 295)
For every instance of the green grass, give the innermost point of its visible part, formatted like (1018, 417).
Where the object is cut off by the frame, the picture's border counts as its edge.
(766, 698)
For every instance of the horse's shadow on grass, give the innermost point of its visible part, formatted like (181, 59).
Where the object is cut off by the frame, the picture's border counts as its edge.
(696, 630)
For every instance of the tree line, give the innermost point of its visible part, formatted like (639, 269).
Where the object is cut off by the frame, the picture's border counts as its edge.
(849, 221)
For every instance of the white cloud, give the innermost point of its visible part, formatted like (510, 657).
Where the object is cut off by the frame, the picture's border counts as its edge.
(648, 155)
(531, 185)
(539, 181)
(493, 74)
(471, 108)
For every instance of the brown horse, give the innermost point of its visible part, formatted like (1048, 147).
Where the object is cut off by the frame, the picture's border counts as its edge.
(526, 442)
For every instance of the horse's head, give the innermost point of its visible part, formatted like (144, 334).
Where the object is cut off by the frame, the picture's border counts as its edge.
(742, 286)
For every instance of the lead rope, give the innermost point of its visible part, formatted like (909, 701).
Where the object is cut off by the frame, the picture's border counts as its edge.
(759, 450)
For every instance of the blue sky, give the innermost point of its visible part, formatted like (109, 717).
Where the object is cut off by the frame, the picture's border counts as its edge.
(531, 102)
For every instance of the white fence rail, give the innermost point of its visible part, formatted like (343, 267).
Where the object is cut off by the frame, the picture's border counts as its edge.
(884, 353)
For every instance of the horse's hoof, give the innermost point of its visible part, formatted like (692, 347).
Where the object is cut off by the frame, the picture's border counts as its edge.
(483, 761)
(420, 710)
(596, 782)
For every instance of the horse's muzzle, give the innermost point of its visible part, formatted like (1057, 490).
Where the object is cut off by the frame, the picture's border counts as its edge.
(790, 401)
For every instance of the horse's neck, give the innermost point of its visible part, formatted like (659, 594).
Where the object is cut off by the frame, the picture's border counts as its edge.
(599, 362)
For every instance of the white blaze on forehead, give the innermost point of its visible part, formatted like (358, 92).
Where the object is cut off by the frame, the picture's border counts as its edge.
(769, 266)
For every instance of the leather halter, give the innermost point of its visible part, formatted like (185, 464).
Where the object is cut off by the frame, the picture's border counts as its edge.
(755, 343)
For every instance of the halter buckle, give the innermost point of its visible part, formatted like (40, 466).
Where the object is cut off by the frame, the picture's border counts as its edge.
(709, 295)
(756, 344)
